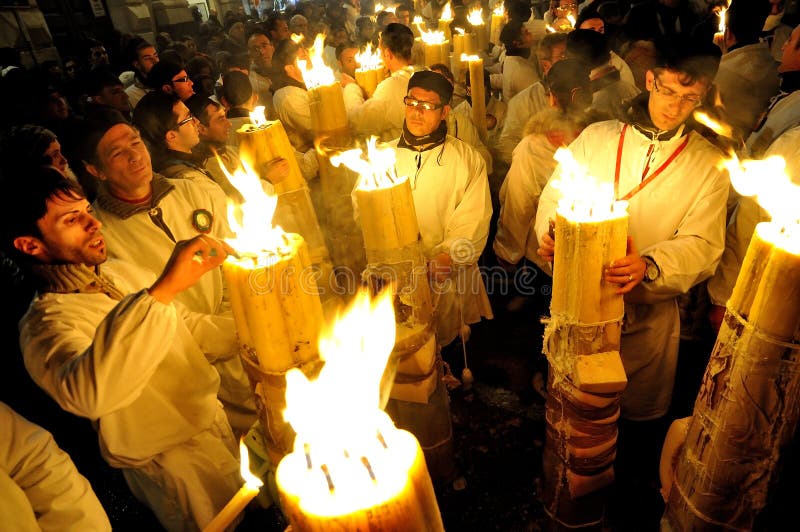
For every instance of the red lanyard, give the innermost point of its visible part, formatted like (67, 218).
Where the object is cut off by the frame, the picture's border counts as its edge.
(645, 180)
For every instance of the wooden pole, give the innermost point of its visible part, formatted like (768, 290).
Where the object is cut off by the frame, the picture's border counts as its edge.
(586, 374)
(747, 408)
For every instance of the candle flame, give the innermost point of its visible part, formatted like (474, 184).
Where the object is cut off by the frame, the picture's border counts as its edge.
(719, 128)
(317, 73)
(571, 19)
(770, 184)
(379, 7)
(550, 28)
(583, 199)
(475, 17)
(721, 14)
(258, 117)
(447, 12)
(432, 37)
(297, 38)
(369, 59)
(499, 10)
(375, 168)
(250, 479)
(418, 21)
(467, 57)
(251, 221)
(461, 31)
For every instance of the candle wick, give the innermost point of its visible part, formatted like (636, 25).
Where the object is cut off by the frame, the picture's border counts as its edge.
(307, 450)
(327, 472)
(369, 468)
(383, 442)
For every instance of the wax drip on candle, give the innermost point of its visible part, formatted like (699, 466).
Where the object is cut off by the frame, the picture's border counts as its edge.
(327, 472)
(307, 451)
(369, 468)
(383, 442)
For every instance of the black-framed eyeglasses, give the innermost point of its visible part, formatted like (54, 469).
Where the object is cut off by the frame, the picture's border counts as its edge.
(184, 79)
(690, 99)
(186, 120)
(418, 104)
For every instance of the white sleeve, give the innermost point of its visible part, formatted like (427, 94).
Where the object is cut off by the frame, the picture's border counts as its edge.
(54, 494)
(512, 129)
(375, 115)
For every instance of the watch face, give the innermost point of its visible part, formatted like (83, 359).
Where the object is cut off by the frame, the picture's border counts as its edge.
(651, 272)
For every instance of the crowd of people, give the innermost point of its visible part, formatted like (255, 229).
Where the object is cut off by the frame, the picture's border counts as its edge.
(115, 156)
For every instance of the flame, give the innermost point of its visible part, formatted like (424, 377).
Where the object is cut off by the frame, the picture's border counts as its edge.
(379, 7)
(447, 13)
(298, 38)
(461, 31)
(375, 168)
(318, 73)
(723, 130)
(250, 479)
(721, 14)
(369, 59)
(418, 21)
(467, 57)
(499, 10)
(550, 28)
(769, 182)
(571, 19)
(251, 221)
(583, 199)
(475, 17)
(340, 410)
(432, 37)
(258, 117)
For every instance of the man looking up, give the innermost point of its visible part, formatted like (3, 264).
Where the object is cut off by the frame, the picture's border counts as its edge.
(171, 78)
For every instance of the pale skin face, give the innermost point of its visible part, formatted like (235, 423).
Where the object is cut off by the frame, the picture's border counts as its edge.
(148, 57)
(123, 163)
(404, 18)
(218, 126)
(419, 121)
(347, 61)
(58, 161)
(185, 136)
(181, 86)
(70, 234)
(667, 106)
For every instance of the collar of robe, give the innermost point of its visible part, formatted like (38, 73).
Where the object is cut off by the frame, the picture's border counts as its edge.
(639, 118)
(790, 81)
(123, 209)
(74, 279)
(425, 142)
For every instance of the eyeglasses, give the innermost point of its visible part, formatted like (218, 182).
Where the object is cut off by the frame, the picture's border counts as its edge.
(689, 99)
(184, 79)
(417, 104)
(186, 120)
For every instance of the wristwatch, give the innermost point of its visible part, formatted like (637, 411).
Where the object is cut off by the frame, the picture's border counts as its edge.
(652, 271)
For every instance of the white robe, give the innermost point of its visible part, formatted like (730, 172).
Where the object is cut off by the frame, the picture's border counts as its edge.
(518, 74)
(382, 114)
(294, 111)
(748, 215)
(140, 371)
(679, 221)
(41, 488)
(451, 198)
(520, 109)
(783, 116)
(460, 126)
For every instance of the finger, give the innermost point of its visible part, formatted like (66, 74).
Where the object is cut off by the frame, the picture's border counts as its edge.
(627, 287)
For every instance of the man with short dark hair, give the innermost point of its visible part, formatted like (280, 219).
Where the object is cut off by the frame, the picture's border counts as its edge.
(261, 49)
(277, 28)
(104, 88)
(383, 114)
(291, 97)
(142, 56)
(133, 362)
(518, 72)
(171, 78)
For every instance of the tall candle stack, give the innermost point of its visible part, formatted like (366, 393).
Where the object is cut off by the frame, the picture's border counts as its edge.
(325, 98)
(351, 469)
(445, 19)
(478, 93)
(371, 70)
(463, 43)
(418, 401)
(747, 409)
(262, 141)
(582, 345)
(479, 28)
(497, 23)
(275, 304)
(435, 47)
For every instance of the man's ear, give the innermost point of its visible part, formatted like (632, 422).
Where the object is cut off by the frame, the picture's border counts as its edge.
(445, 111)
(166, 88)
(170, 137)
(649, 77)
(30, 245)
(93, 170)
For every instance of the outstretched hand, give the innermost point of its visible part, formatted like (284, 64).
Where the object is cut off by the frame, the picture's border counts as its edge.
(627, 271)
(189, 261)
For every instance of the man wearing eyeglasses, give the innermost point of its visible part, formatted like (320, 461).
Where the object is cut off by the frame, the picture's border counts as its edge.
(677, 204)
(170, 78)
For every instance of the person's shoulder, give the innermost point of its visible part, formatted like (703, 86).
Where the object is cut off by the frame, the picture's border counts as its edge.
(604, 127)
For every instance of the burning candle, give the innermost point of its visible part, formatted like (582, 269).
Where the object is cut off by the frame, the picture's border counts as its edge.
(746, 412)
(435, 47)
(478, 92)
(719, 36)
(497, 23)
(417, 25)
(371, 70)
(252, 485)
(445, 19)
(475, 19)
(325, 98)
(275, 303)
(351, 469)
(463, 43)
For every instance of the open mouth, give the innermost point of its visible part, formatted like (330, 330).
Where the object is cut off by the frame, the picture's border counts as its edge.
(97, 244)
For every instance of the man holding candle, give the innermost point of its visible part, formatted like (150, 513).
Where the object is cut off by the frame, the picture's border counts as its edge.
(133, 362)
(382, 114)
(451, 197)
(677, 203)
